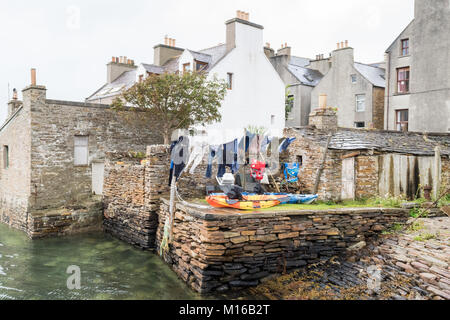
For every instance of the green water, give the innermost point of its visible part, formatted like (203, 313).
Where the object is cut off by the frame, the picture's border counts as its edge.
(110, 269)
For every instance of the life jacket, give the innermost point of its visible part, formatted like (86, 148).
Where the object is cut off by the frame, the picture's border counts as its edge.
(291, 171)
(257, 169)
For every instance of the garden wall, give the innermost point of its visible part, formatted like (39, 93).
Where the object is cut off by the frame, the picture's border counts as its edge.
(217, 250)
(133, 187)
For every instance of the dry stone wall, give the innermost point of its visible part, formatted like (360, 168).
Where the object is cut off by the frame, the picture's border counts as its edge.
(218, 250)
(132, 191)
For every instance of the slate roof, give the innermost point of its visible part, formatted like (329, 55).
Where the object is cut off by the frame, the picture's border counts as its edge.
(385, 141)
(306, 76)
(299, 61)
(152, 68)
(374, 75)
(210, 55)
(125, 81)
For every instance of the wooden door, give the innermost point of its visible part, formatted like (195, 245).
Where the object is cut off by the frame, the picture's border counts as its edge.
(348, 179)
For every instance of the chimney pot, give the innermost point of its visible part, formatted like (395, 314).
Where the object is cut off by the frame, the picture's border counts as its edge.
(342, 44)
(267, 45)
(338, 44)
(14, 94)
(33, 77)
(346, 43)
(247, 16)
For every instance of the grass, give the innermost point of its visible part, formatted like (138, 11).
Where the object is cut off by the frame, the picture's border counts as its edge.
(425, 237)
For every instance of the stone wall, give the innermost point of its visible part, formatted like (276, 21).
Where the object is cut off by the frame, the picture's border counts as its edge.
(366, 176)
(85, 217)
(55, 179)
(217, 250)
(132, 191)
(15, 181)
(311, 154)
(41, 135)
(378, 108)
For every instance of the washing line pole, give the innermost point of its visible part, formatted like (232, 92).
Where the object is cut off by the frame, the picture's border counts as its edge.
(172, 205)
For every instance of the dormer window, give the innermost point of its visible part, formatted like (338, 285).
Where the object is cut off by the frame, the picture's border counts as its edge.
(186, 67)
(199, 65)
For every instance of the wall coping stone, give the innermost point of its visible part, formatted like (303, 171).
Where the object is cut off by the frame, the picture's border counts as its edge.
(231, 214)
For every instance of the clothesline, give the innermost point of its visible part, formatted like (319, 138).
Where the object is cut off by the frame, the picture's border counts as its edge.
(190, 151)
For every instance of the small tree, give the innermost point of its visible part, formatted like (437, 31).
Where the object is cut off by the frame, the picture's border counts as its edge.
(174, 101)
(289, 103)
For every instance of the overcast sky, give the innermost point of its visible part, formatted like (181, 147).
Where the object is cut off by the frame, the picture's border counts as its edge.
(70, 42)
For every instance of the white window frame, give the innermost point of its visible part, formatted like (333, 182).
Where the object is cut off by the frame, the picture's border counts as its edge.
(359, 102)
(81, 151)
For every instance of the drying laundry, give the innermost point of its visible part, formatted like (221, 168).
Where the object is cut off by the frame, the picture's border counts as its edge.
(213, 151)
(285, 144)
(291, 171)
(179, 155)
(196, 155)
(228, 157)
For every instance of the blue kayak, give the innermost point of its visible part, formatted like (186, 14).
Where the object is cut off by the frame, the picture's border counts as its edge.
(296, 198)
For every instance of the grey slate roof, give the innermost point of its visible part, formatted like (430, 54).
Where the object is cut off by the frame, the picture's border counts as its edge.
(125, 81)
(306, 76)
(128, 79)
(216, 53)
(385, 141)
(152, 68)
(374, 75)
(299, 61)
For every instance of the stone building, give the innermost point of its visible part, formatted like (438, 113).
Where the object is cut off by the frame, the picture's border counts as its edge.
(255, 91)
(418, 72)
(367, 163)
(356, 89)
(299, 78)
(52, 160)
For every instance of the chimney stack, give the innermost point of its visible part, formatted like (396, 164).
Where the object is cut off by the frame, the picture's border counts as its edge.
(33, 77)
(118, 66)
(323, 118)
(284, 51)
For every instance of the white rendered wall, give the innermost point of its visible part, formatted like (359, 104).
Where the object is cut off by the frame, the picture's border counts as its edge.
(258, 92)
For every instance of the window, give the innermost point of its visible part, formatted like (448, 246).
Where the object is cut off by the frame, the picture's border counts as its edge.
(81, 151)
(186, 67)
(360, 102)
(405, 47)
(353, 77)
(300, 160)
(200, 65)
(230, 81)
(290, 103)
(360, 124)
(401, 120)
(6, 157)
(403, 80)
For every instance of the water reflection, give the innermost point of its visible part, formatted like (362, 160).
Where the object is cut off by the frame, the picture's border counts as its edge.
(110, 269)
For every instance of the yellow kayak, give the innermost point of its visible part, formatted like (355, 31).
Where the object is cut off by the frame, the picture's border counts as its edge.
(249, 202)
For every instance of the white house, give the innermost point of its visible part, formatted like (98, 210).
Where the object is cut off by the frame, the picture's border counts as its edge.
(256, 93)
